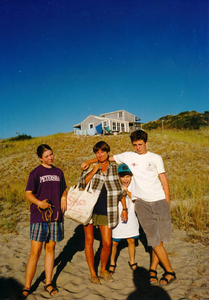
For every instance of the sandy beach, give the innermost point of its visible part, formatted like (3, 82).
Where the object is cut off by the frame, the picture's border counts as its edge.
(71, 274)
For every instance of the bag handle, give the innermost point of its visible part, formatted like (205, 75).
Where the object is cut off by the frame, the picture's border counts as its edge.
(88, 186)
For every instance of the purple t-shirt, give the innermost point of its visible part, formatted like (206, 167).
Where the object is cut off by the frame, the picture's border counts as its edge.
(46, 184)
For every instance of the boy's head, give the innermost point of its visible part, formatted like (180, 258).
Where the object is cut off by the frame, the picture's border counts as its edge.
(139, 135)
(125, 174)
(139, 139)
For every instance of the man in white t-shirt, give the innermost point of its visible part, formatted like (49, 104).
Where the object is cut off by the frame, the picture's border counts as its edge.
(150, 191)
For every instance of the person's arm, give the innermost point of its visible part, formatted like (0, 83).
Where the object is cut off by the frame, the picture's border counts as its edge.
(64, 201)
(86, 164)
(111, 158)
(89, 176)
(42, 204)
(124, 214)
(127, 191)
(165, 186)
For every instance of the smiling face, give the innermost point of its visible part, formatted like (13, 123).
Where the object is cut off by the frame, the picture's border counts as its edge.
(47, 158)
(102, 156)
(125, 180)
(140, 146)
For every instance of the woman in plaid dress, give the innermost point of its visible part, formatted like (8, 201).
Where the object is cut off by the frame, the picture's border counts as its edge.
(106, 183)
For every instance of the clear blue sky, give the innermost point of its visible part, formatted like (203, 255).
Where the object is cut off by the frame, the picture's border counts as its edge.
(62, 60)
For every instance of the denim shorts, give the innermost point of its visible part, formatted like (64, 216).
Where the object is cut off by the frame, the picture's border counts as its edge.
(155, 220)
(43, 232)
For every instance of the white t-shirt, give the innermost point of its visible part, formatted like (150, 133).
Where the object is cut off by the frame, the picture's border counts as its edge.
(146, 184)
(130, 228)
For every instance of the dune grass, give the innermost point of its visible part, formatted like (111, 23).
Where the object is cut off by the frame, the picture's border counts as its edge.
(185, 155)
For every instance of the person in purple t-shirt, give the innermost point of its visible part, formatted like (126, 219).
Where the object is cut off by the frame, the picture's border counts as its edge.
(46, 190)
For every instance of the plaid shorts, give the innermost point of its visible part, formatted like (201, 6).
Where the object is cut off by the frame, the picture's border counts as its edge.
(43, 232)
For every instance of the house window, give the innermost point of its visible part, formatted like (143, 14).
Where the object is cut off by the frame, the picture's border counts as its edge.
(113, 126)
(105, 123)
(120, 114)
(122, 127)
(91, 125)
(118, 126)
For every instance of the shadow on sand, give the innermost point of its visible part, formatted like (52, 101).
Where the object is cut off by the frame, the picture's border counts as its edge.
(10, 288)
(144, 290)
(75, 243)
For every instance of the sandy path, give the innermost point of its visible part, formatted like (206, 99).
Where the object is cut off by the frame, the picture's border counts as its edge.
(189, 260)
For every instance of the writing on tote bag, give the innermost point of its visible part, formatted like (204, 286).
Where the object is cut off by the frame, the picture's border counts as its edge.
(80, 204)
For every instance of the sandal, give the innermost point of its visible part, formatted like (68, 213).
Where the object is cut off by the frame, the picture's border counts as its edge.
(165, 279)
(133, 266)
(112, 271)
(153, 276)
(25, 290)
(54, 289)
(95, 279)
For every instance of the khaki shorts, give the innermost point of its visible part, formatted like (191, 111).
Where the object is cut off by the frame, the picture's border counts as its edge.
(155, 220)
(100, 220)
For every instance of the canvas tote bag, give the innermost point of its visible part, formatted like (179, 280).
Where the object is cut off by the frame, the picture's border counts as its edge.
(80, 203)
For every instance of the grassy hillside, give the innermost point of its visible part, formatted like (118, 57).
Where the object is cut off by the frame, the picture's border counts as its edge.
(185, 120)
(185, 154)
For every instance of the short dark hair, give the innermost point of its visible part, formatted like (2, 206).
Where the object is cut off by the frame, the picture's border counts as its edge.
(101, 145)
(42, 148)
(139, 135)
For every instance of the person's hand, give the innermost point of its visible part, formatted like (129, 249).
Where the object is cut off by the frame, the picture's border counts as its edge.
(85, 165)
(124, 216)
(44, 204)
(96, 167)
(125, 188)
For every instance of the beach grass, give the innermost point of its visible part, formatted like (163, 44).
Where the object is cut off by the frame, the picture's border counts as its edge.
(185, 155)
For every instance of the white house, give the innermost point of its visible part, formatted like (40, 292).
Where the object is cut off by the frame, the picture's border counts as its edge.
(114, 122)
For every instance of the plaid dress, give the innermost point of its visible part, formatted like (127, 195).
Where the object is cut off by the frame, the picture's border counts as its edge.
(113, 186)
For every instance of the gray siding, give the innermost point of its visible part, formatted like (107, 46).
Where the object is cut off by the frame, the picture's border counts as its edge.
(121, 115)
(85, 125)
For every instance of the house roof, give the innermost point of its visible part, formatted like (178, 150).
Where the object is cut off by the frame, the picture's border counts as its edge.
(99, 118)
(96, 117)
(117, 111)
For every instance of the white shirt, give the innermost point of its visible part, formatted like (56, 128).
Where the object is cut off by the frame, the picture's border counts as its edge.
(146, 184)
(130, 228)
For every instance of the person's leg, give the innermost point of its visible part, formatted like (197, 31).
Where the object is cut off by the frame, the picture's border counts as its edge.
(153, 268)
(49, 265)
(163, 257)
(105, 252)
(106, 246)
(156, 222)
(131, 250)
(113, 255)
(35, 253)
(89, 252)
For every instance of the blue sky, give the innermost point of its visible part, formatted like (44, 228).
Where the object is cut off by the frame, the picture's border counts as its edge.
(61, 61)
